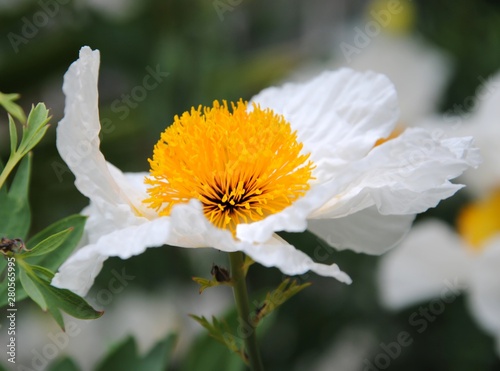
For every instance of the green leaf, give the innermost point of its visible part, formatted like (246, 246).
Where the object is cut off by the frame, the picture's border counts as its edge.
(54, 260)
(52, 298)
(35, 128)
(65, 364)
(67, 301)
(14, 211)
(49, 244)
(7, 101)
(48, 274)
(13, 135)
(32, 289)
(50, 262)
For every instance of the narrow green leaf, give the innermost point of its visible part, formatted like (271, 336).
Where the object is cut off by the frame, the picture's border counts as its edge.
(68, 302)
(32, 289)
(14, 211)
(49, 263)
(7, 101)
(53, 260)
(35, 128)
(13, 135)
(48, 274)
(64, 364)
(49, 244)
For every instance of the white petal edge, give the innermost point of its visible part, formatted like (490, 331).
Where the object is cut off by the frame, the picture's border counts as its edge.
(429, 262)
(78, 136)
(366, 231)
(406, 175)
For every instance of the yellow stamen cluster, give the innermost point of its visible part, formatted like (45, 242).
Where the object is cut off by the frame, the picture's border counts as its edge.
(242, 164)
(481, 220)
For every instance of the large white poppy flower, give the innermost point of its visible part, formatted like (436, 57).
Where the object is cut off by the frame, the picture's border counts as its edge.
(230, 180)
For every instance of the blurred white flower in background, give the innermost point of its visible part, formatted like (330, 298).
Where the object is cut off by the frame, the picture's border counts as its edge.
(434, 255)
(418, 71)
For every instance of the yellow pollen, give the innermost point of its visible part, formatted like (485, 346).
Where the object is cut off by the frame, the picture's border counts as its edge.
(398, 130)
(242, 164)
(479, 221)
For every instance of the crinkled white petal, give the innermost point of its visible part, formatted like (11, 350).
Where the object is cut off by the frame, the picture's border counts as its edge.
(278, 253)
(406, 175)
(403, 176)
(185, 227)
(338, 115)
(78, 137)
(431, 261)
(485, 287)
(366, 231)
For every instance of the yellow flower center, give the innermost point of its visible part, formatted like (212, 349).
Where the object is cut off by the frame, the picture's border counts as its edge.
(479, 221)
(241, 164)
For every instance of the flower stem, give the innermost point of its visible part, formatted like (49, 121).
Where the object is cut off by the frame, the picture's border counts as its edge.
(242, 303)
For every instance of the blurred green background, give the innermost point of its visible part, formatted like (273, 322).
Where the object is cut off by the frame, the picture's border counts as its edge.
(227, 50)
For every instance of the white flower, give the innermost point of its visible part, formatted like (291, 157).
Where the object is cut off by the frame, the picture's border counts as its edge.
(418, 71)
(435, 262)
(302, 156)
(433, 255)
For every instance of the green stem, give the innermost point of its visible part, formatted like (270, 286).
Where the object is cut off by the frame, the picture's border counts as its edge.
(242, 303)
(9, 166)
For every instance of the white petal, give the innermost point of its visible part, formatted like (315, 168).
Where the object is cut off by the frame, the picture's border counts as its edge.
(338, 115)
(406, 175)
(366, 231)
(429, 262)
(186, 227)
(485, 287)
(78, 135)
(278, 253)
(79, 271)
(403, 176)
